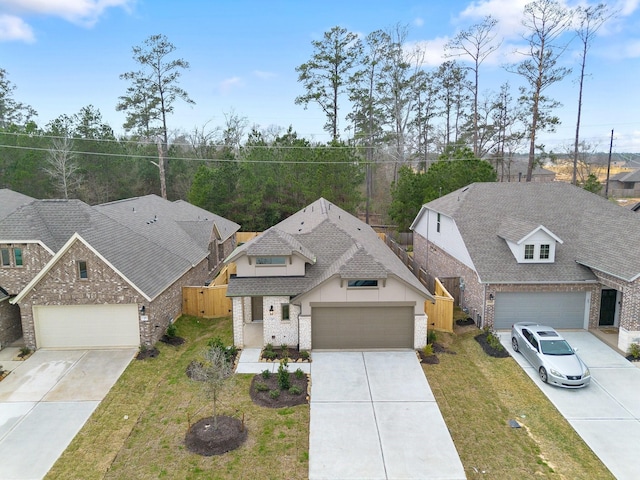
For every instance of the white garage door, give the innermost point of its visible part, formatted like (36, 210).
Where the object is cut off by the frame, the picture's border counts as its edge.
(86, 326)
(556, 309)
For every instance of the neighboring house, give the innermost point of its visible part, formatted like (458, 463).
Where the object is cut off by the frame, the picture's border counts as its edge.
(323, 279)
(516, 171)
(625, 184)
(551, 253)
(10, 329)
(107, 275)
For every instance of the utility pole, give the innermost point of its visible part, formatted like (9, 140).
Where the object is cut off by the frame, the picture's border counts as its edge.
(606, 189)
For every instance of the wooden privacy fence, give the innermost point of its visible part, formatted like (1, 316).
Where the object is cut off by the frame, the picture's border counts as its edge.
(440, 313)
(206, 302)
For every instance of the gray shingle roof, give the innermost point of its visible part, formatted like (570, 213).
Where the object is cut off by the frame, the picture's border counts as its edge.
(151, 241)
(341, 244)
(10, 201)
(632, 176)
(595, 232)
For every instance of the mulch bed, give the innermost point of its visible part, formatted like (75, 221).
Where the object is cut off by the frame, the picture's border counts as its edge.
(292, 355)
(285, 399)
(631, 358)
(203, 439)
(488, 349)
(466, 322)
(147, 353)
(433, 359)
(175, 340)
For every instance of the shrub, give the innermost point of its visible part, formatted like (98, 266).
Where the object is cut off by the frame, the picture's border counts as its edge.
(299, 374)
(172, 330)
(229, 351)
(274, 393)
(261, 387)
(493, 340)
(284, 348)
(266, 374)
(295, 390)
(304, 354)
(24, 351)
(283, 375)
(431, 336)
(269, 354)
(634, 350)
(428, 350)
(268, 347)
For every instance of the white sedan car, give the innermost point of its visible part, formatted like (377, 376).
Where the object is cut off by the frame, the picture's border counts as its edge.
(550, 354)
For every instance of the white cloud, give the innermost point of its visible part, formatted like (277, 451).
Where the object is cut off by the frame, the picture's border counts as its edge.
(81, 12)
(433, 50)
(508, 13)
(626, 7)
(229, 84)
(14, 28)
(418, 22)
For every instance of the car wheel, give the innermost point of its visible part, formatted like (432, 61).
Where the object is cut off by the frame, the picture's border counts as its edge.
(514, 344)
(543, 375)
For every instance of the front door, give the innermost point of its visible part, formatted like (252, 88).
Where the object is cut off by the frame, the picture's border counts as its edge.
(256, 309)
(607, 307)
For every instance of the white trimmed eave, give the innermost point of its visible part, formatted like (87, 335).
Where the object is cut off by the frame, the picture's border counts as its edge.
(545, 230)
(75, 237)
(418, 217)
(615, 275)
(37, 242)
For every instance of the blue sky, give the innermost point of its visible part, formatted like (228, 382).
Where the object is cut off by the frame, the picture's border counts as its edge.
(65, 54)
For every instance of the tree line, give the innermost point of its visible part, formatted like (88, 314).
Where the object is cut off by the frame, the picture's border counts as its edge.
(403, 121)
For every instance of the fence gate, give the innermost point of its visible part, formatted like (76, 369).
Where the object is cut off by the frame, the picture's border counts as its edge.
(206, 302)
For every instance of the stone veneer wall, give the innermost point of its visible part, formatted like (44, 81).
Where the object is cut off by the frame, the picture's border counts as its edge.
(10, 327)
(238, 321)
(276, 330)
(34, 258)
(419, 332)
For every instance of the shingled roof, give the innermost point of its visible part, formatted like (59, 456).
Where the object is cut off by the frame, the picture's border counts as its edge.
(339, 243)
(10, 201)
(595, 233)
(151, 241)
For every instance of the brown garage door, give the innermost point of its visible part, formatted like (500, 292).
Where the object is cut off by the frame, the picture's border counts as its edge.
(361, 327)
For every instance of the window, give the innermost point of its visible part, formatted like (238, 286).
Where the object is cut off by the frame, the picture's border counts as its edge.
(82, 269)
(362, 283)
(438, 224)
(6, 258)
(285, 312)
(17, 256)
(528, 252)
(544, 252)
(271, 261)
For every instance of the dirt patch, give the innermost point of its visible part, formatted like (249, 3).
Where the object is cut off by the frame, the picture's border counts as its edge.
(262, 396)
(203, 439)
(489, 349)
(465, 322)
(147, 353)
(428, 359)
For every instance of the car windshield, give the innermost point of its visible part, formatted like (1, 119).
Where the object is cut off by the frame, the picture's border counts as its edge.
(555, 347)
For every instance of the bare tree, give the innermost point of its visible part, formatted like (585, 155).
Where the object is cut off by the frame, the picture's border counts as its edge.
(477, 43)
(590, 19)
(62, 166)
(214, 371)
(152, 93)
(546, 21)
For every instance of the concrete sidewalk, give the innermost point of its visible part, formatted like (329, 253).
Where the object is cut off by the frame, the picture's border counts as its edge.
(45, 401)
(606, 414)
(374, 416)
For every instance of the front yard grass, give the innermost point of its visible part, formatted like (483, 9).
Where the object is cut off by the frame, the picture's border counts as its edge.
(138, 430)
(478, 395)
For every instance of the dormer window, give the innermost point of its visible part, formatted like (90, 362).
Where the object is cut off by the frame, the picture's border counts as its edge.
(544, 252)
(271, 260)
(528, 252)
(362, 283)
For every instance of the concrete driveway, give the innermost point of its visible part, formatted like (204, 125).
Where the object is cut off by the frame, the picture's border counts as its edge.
(46, 400)
(373, 416)
(606, 414)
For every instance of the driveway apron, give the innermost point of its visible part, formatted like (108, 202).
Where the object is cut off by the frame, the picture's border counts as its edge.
(373, 416)
(606, 414)
(46, 400)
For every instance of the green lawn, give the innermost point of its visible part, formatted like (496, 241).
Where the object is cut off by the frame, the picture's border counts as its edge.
(138, 431)
(478, 395)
